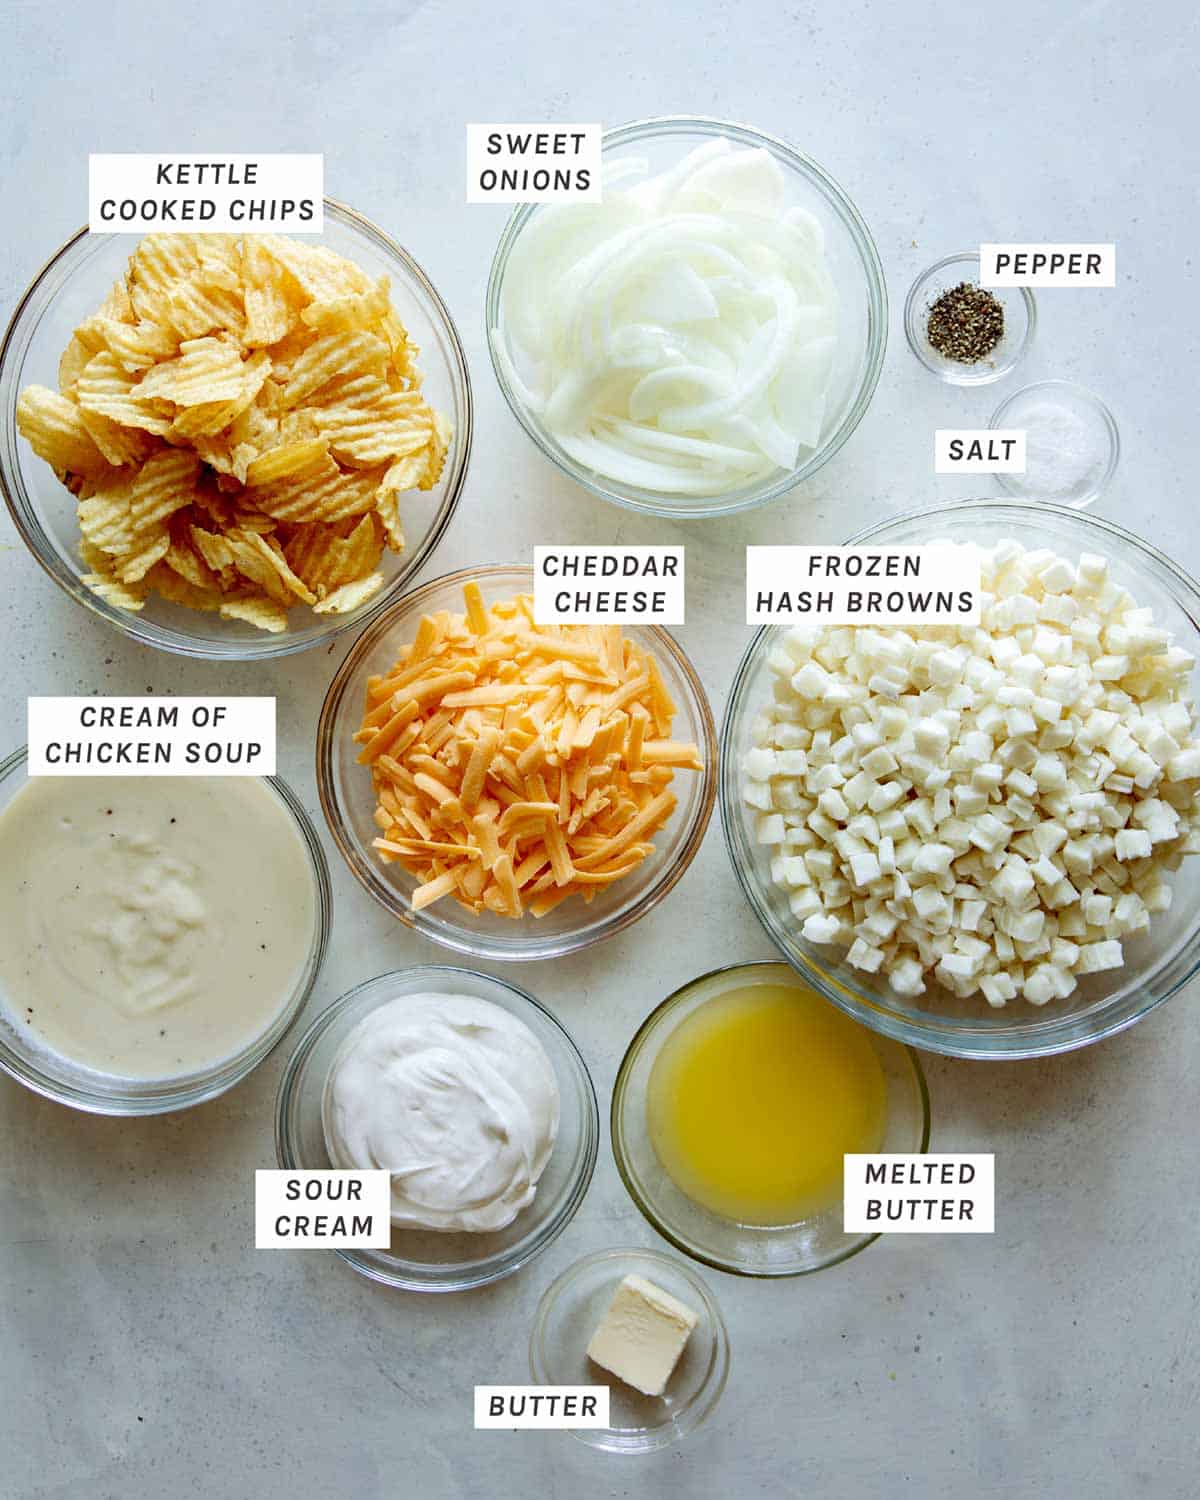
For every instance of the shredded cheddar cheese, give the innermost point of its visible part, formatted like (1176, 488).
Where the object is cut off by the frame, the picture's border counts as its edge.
(515, 765)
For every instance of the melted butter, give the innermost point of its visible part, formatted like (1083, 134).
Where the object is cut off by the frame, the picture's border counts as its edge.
(756, 1096)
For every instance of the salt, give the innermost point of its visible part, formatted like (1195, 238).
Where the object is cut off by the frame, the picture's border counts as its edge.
(1067, 453)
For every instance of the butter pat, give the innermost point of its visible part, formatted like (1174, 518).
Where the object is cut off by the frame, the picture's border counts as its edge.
(642, 1335)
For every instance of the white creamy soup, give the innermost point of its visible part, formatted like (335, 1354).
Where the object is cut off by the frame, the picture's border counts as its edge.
(151, 927)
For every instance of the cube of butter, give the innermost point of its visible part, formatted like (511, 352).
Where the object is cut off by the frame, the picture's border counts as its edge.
(642, 1335)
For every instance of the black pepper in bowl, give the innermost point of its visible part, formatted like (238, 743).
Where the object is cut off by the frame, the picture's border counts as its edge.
(965, 324)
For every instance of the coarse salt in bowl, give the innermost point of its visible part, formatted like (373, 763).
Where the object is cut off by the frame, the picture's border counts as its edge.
(1071, 443)
(1158, 961)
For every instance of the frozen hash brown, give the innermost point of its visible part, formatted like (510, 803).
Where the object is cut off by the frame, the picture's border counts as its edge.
(238, 422)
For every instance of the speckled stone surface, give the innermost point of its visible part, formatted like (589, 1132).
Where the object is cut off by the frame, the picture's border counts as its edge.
(146, 1349)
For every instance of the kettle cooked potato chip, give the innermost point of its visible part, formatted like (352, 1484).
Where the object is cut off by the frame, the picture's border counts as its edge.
(236, 422)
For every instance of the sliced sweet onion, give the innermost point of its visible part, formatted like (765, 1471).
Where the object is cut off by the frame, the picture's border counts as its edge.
(680, 336)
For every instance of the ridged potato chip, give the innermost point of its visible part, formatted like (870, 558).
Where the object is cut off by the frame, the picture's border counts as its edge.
(54, 428)
(271, 313)
(259, 611)
(321, 274)
(119, 445)
(158, 264)
(354, 310)
(134, 564)
(166, 580)
(207, 369)
(197, 307)
(349, 596)
(113, 591)
(305, 458)
(333, 356)
(258, 560)
(107, 388)
(238, 421)
(164, 484)
(385, 425)
(327, 556)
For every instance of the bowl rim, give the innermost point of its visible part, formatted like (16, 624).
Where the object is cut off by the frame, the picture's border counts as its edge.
(199, 1087)
(462, 941)
(876, 342)
(501, 1264)
(177, 642)
(1059, 1035)
(947, 372)
(656, 1220)
(1010, 483)
(719, 1363)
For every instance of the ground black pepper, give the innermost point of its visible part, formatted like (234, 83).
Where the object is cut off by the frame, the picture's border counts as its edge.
(965, 324)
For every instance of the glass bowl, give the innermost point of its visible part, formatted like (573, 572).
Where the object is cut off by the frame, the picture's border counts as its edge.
(68, 289)
(1157, 962)
(853, 263)
(1020, 322)
(811, 1244)
(347, 797)
(56, 1077)
(569, 1313)
(425, 1260)
(1015, 411)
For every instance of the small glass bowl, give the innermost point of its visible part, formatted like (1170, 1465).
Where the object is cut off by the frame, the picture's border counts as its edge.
(427, 1260)
(745, 1249)
(56, 1077)
(68, 289)
(1158, 962)
(853, 263)
(1014, 412)
(1020, 322)
(348, 801)
(569, 1313)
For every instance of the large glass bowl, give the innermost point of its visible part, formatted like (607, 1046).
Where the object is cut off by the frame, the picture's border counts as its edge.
(422, 1260)
(853, 263)
(348, 800)
(796, 1249)
(1157, 961)
(58, 1078)
(68, 289)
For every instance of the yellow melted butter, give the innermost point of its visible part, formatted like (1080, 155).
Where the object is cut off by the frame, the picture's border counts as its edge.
(756, 1096)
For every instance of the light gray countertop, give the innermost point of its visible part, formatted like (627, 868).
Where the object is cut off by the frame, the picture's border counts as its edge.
(146, 1348)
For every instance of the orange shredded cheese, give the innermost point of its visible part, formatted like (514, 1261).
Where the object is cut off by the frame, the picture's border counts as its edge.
(515, 765)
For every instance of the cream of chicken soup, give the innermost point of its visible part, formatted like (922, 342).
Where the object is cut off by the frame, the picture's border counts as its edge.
(151, 927)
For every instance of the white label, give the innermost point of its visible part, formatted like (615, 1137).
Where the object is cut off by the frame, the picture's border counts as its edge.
(322, 1210)
(151, 736)
(197, 190)
(935, 585)
(910, 1193)
(513, 1406)
(1048, 265)
(979, 450)
(533, 163)
(608, 585)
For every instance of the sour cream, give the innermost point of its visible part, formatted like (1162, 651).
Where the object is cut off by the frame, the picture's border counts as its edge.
(152, 927)
(456, 1098)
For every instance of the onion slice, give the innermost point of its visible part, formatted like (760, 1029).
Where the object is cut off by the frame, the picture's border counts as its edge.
(680, 337)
